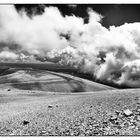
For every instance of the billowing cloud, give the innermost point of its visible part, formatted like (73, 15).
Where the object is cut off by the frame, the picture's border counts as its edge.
(112, 55)
(8, 55)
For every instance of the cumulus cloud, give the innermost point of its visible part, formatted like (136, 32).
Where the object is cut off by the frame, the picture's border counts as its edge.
(112, 55)
(6, 55)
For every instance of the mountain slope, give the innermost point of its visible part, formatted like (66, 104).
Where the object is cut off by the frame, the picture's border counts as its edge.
(34, 79)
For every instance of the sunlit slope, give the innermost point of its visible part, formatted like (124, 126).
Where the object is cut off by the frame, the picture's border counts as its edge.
(33, 79)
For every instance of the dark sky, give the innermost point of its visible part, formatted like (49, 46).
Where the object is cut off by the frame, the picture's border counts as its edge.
(114, 14)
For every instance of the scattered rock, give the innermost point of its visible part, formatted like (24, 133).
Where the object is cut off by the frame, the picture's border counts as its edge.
(105, 123)
(117, 112)
(127, 112)
(119, 123)
(7, 130)
(132, 120)
(126, 125)
(43, 132)
(119, 127)
(77, 123)
(138, 128)
(138, 106)
(132, 127)
(50, 106)
(137, 99)
(138, 110)
(121, 115)
(116, 122)
(88, 133)
(25, 122)
(113, 117)
(72, 133)
(12, 134)
(138, 118)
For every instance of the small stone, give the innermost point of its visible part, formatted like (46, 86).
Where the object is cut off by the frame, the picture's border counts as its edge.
(125, 125)
(105, 123)
(121, 115)
(25, 122)
(88, 132)
(117, 112)
(137, 113)
(127, 112)
(117, 132)
(113, 117)
(116, 122)
(132, 120)
(138, 104)
(132, 127)
(137, 99)
(43, 132)
(119, 127)
(12, 134)
(95, 132)
(72, 133)
(138, 118)
(50, 106)
(138, 128)
(7, 130)
(138, 110)
(9, 89)
(107, 128)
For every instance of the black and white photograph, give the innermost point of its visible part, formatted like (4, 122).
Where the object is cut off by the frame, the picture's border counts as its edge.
(69, 69)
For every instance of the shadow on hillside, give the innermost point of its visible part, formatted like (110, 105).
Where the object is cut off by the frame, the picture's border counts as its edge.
(65, 85)
(54, 86)
(80, 86)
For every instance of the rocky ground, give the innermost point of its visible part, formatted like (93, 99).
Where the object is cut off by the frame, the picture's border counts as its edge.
(120, 123)
(97, 114)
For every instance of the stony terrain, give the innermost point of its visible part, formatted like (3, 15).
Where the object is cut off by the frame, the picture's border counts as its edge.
(115, 112)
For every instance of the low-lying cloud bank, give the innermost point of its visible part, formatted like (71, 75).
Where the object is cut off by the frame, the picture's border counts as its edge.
(110, 54)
